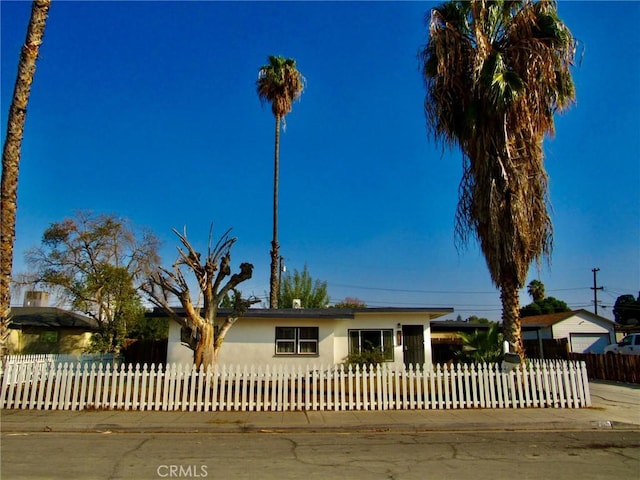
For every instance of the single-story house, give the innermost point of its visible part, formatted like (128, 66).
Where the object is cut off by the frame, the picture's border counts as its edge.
(49, 330)
(318, 336)
(585, 332)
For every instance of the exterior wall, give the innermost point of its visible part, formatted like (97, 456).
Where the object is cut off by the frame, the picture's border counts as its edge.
(176, 351)
(72, 341)
(13, 342)
(251, 341)
(582, 323)
(69, 342)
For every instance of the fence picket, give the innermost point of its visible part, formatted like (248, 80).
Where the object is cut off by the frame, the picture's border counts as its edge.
(102, 386)
(390, 384)
(533, 379)
(372, 387)
(215, 379)
(23, 374)
(56, 387)
(141, 395)
(518, 380)
(156, 375)
(494, 381)
(486, 381)
(236, 385)
(7, 370)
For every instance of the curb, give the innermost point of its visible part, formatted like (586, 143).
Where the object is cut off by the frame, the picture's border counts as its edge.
(242, 428)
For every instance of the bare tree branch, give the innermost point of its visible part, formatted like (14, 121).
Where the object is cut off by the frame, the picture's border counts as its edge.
(201, 321)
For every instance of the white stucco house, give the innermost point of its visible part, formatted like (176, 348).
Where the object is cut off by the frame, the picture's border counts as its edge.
(586, 332)
(318, 336)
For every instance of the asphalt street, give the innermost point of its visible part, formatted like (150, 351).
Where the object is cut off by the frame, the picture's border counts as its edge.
(594, 454)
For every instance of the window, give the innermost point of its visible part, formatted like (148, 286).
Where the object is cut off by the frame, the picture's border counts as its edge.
(366, 340)
(297, 340)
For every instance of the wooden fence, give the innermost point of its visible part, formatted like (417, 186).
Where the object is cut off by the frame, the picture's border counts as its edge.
(548, 348)
(281, 388)
(617, 368)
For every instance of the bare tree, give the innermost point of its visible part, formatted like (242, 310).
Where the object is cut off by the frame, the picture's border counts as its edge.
(207, 331)
(11, 157)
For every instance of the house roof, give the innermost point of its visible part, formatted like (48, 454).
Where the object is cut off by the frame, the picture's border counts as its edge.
(328, 313)
(49, 317)
(545, 321)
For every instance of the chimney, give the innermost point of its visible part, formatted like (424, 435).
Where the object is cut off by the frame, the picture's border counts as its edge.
(36, 299)
(297, 303)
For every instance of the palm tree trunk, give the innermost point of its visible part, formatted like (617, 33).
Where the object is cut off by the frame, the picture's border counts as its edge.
(275, 247)
(511, 317)
(11, 158)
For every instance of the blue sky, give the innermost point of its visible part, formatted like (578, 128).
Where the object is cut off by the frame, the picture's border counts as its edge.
(149, 110)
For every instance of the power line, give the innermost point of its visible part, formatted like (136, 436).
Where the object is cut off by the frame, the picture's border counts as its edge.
(444, 292)
(400, 290)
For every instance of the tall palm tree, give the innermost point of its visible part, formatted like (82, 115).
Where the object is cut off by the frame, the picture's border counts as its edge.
(495, 74)
(535, 289)
(11, 157)
(279, 83)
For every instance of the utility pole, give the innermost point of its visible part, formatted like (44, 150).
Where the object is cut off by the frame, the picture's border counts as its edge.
(595, 289)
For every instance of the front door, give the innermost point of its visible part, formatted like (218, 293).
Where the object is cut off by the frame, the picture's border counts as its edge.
(413, 344)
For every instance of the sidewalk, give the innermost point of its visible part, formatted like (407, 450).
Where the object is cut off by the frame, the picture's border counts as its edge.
(614, 406)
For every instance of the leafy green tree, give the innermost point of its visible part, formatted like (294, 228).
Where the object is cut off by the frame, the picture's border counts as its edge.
(481, 346)
(545, 306)
(279, 83)
(351, 302)
(312, 293)
(626, 310)
(96, 263)
(495, 74)
(11, 152)
(230, 299)
(476, 319)
(149, 328)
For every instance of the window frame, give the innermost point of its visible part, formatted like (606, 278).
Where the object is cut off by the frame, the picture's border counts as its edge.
(298, 339)
(389, 354)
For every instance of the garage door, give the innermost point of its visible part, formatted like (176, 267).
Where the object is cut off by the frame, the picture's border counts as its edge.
(589, 342)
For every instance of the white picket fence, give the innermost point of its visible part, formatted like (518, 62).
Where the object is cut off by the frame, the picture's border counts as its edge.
(75, 386)
(59, 358)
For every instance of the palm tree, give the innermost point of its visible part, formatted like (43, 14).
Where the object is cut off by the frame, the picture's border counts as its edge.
(481, 346)
(495, 75)
(280, 84)
(535, 289)
(11, 157)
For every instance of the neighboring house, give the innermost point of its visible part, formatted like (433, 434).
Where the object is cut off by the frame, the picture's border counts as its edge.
(585, 332)
(318, 336)
(48, 330)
